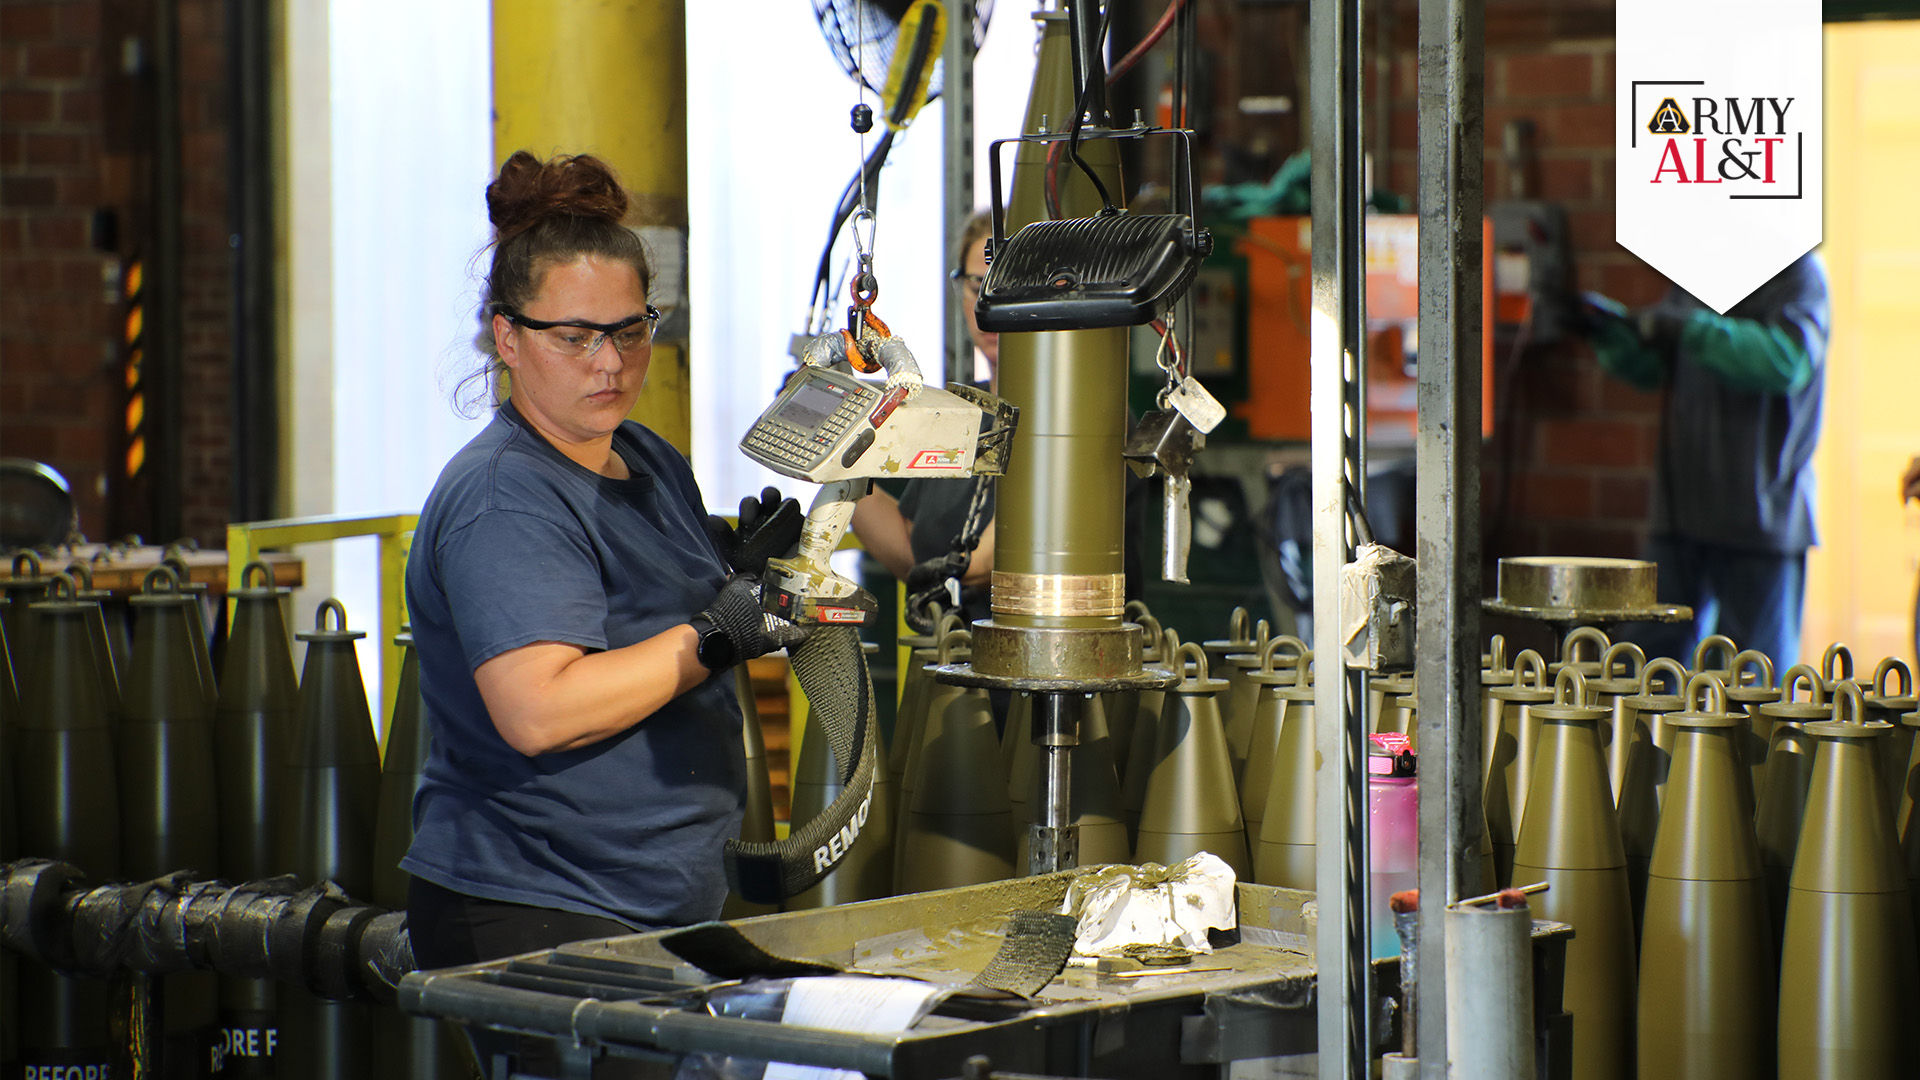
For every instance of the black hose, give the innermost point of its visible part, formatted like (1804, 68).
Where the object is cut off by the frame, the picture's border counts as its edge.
(315, 936)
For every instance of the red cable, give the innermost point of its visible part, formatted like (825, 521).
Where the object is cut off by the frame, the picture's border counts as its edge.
(1135, 54)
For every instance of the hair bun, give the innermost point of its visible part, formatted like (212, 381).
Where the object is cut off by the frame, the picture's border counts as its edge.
(575, 185)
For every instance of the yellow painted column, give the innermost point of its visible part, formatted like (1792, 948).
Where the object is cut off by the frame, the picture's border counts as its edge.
(609, 78)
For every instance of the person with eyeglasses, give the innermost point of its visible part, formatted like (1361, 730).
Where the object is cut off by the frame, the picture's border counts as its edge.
(920, 526)
(574, 611)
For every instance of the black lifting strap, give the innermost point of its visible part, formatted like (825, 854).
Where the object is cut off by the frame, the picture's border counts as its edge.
(772, 872)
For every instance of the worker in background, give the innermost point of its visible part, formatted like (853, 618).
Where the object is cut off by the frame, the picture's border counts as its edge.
(924, 525)
(1733, 495)
(572, 613)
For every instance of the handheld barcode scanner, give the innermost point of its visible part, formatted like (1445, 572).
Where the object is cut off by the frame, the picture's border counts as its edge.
(833, 429)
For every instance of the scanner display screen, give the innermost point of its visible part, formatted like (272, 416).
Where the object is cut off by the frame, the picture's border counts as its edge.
(810, 405)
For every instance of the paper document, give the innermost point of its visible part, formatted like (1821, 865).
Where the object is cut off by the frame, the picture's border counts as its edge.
(852, 1004)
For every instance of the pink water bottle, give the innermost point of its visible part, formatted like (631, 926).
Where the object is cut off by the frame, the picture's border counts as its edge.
(1393, 834)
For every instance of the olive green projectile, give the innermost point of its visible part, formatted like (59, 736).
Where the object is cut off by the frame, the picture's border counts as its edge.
(9, 704)
(1191, 805)
(9, 712)
(867, 871)
(1910, 836)
(1236, 705)
(1283, 835)
(954, 647)
(27, 586)
(1783, 798)
(324, 1040)
(401, 762)
(1705, 650)
(252, 723)
(1887, 707)
(1649, 763)
(1143, 755)
(65, 780)
(1621, 666)
(756, 825)
(1752, 686)
(1509, 749)
(1239, 639)
(1707, 985)
(1383, 703)
(1836, 664)
(756, 822)
(914, 688)
(1848, 971)
(253, 720)
(330, 784)
(67, 802)
(407, 1047)
(196, 617)
(1584, 649)
(331, 778)
(112, 646)
(1910, 780)
(1495, 671)
(1272, 678)
(1094, 799)
(1123, 706)
(959, 830)
(168, 798)
(1570, 838)
(1018, 758)
(1068, 385)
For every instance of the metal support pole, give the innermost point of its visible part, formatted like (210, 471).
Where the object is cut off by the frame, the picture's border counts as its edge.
(1339, 473)
(588, 77)
(1447, 516)
(1054, 842)
(164, 351)
(255, 409)
(956, 106)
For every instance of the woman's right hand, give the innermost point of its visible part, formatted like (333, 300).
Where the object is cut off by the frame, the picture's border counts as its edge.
(737, 612)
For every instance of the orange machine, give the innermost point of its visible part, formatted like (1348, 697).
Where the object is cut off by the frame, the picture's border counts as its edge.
(1279, 253)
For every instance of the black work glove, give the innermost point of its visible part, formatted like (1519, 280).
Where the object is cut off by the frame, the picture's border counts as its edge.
(735, 628)
(769, 527)
(928, 594)
(1595, 315)
(1659, 326)
(935, 571)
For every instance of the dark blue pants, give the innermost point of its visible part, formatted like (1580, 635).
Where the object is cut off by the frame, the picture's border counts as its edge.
(1753, 597)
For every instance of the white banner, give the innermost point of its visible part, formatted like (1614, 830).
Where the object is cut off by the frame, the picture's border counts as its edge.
(1717, 151)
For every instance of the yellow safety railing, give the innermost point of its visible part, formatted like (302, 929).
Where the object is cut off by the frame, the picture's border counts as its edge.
(246, 540)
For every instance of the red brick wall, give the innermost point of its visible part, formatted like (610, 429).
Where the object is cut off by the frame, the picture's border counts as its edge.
(207, 275)
(1582, 444)
(72, 142)
(58, 323)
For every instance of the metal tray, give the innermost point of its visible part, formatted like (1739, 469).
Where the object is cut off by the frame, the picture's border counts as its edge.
(628, 997)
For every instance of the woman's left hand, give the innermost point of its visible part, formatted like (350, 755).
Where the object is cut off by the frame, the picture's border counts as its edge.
(769, 527)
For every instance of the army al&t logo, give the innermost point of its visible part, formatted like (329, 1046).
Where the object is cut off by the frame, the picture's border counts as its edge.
(1739, 141)
(1718, 139)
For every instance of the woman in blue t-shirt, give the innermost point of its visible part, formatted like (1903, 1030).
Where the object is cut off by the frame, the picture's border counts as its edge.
(572, 613)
